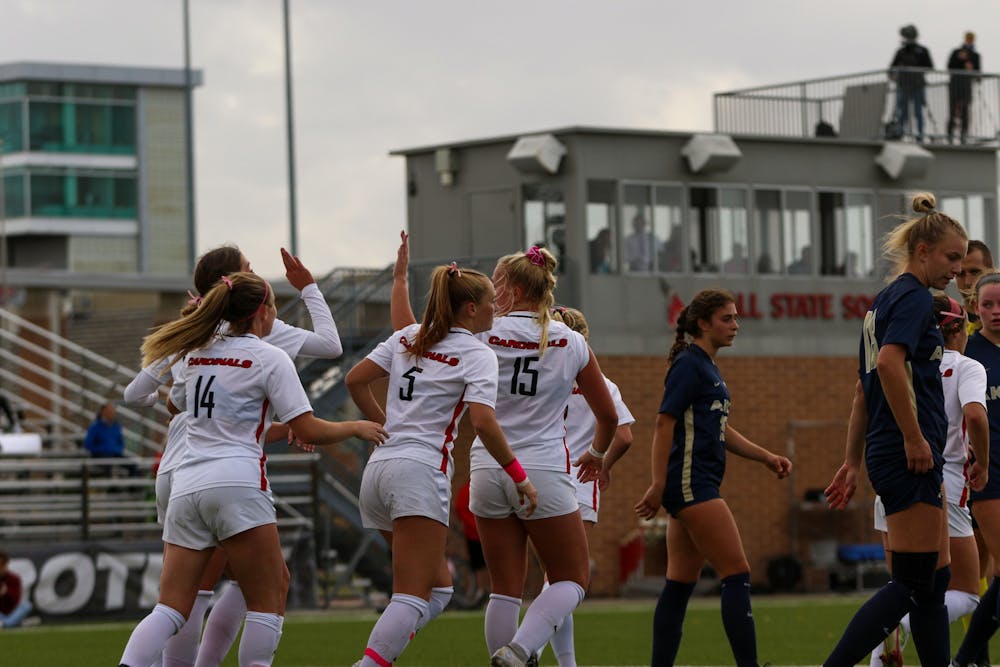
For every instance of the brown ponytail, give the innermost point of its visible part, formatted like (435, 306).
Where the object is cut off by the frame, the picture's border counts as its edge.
(451, 288)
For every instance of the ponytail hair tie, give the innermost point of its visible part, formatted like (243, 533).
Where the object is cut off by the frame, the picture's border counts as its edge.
(228, 282)
(193, 299)
(535, 256)
(453, 270)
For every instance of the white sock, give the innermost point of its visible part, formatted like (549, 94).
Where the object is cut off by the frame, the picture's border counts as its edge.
(959, 604)
(182, 649)
(440, 597)
(501, 620)
(149, 637)
(394, 629)
(562, 643)
(222, 626)
(548, 610)
(260, 639)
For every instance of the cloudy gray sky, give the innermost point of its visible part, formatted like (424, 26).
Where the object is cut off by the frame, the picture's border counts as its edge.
(374, 76)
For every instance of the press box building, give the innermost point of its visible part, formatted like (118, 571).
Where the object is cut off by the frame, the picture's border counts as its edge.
(790, 222)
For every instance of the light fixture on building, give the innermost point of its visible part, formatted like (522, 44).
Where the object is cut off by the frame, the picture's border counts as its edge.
(901, 160)
(537, 153)
(708, 153)
(446, 164)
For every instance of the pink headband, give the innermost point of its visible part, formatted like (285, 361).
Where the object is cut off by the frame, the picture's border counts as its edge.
(453, 270)
(193, 299)
(954, 312)
(535, 256)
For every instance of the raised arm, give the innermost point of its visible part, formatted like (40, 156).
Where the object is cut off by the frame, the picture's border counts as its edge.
(400, 311)
(324, 340)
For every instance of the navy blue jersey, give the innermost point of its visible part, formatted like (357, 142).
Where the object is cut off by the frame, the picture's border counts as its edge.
(988, 354)
(695, 394)
(903, 314)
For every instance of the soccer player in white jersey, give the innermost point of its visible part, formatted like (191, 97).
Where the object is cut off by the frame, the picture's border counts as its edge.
(580, 425)
(964, 383)
(435, 370)
(324, 342)
(539, 360)
(220, 494)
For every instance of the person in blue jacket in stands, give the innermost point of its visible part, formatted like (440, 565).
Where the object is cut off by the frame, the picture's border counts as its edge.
(104, 436)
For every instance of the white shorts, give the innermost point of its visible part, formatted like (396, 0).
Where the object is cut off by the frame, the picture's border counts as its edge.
(589, 498)
(493, 494)
(959, 519)
(394, 488)
(203, 519)
(162, 495)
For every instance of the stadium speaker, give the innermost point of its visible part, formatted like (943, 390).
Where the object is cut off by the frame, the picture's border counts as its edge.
(537, 153)
(901, 160)
(707, 153)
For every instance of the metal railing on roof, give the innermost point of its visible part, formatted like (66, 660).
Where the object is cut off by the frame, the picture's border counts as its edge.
(863, 106)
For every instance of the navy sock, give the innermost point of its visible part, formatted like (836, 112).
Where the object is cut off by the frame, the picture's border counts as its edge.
(871, 624)
(929, 622)
(981, 627)
(737, 618)
(668, 620)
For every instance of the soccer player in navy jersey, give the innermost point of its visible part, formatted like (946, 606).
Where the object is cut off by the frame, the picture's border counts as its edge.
(898, 421)
(984, 346)
(690, 440)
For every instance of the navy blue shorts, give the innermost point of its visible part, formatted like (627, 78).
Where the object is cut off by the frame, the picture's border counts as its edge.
(674, 500)
(900, 488)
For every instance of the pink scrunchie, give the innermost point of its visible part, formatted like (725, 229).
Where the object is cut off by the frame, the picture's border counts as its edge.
(453, 270)
(229, 283)
(193, 299)
(535, 256)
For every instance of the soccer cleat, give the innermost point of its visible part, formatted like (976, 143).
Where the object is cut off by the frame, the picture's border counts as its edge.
(510, 655)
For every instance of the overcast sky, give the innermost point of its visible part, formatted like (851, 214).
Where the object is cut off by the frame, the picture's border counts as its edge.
(374, 76)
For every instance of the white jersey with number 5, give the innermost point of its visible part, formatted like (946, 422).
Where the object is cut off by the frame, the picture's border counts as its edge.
(533, 390)
(234, 386)
(427, 396)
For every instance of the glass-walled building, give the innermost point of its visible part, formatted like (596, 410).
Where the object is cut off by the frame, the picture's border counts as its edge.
(94, 168)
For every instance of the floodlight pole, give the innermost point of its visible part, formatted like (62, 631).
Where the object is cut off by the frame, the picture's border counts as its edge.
(189, 138)
(290, 125)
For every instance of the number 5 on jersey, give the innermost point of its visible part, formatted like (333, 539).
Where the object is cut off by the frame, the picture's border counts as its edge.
(407, 394)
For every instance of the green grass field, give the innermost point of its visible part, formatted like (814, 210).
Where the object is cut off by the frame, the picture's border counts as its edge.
(790, 631)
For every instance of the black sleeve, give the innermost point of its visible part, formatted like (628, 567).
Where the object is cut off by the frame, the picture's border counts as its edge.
(955, 60)
(925, 59)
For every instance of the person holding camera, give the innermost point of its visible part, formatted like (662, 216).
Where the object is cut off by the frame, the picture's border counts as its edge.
(906, 70)
(962, 63)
